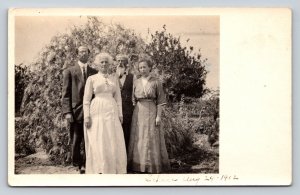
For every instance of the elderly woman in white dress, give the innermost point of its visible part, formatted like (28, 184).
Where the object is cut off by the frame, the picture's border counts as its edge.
(103, 134)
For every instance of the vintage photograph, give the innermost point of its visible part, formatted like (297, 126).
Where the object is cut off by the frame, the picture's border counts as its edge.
(116, 94)
(149, 97)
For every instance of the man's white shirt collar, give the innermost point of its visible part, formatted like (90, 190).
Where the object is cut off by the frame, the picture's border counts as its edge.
(82, 65)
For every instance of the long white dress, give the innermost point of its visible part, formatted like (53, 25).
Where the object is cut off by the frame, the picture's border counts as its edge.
(104, 140)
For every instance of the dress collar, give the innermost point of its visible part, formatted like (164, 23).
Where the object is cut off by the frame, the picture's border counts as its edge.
(103, 75)
(147, 78)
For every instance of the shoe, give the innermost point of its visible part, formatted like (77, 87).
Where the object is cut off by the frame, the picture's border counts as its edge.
(82, 170)
(78, 170)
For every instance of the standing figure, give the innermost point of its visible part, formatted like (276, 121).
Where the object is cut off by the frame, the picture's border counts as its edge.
(147, 149)
(74, 79)
(126, 83)
(104, 139)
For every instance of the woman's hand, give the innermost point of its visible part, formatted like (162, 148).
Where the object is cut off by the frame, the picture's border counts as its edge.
(121, 119)
(157, 121)
(87, 122)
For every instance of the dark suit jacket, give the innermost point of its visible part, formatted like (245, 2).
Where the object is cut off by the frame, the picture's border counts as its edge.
(126, 93)
(73, 90)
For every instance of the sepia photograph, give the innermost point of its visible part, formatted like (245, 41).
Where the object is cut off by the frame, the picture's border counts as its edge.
(118, 95)
(171, 126)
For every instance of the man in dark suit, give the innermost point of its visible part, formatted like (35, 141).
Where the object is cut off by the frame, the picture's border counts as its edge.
(74, 79)
(126, 83)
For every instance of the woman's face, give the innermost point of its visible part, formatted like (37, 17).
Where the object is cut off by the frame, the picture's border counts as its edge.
(103, 64)
(144, 68)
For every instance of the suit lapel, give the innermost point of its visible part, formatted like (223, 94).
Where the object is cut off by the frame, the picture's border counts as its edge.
(89, 71)
(78, 73)
(126, 80)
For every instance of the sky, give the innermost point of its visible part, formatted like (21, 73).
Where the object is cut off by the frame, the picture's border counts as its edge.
(32, 33)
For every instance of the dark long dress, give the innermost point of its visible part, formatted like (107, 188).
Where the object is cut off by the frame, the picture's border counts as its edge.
(147, 149)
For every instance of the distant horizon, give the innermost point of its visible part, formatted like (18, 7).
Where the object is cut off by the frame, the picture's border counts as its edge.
(33, 33)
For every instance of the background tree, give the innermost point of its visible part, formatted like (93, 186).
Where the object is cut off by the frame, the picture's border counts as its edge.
(181, 69)
(22, 78)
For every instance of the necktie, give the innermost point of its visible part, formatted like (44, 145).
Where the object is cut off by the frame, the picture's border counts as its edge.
(84, 74)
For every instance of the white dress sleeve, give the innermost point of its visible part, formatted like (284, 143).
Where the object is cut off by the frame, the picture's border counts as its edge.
(117, 96)
(88, 93)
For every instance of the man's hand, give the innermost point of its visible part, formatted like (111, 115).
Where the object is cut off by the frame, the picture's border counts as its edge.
(69, 118)
(121, 119)
(157, 121)
(87, 122)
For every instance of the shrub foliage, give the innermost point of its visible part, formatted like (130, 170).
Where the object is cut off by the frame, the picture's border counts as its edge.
(181, 69)
(22, 78)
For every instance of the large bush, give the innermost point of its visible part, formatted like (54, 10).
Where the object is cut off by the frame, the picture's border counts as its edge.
(182, 70)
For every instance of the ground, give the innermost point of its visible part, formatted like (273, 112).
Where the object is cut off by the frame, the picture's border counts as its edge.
(200, 159)
(39, 163)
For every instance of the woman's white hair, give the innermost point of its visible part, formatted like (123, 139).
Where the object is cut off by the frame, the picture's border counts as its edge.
(103, 55)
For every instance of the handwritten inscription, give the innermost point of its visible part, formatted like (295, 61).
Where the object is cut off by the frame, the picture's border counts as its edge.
(194, 180)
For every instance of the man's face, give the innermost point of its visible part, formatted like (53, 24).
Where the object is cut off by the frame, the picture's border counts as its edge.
(122, 62)
(83, 54)
(120, 69)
